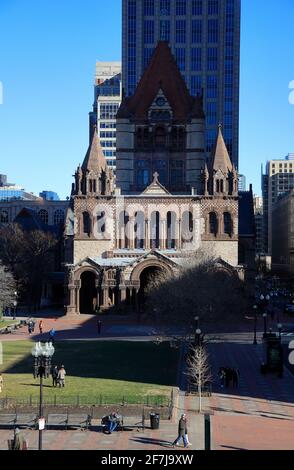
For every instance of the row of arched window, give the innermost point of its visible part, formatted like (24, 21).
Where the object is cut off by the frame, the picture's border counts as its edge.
(58, 216)
(220, 224)
(163, 231)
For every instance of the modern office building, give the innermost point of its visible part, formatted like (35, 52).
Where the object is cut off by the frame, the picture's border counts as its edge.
(242, 183)
(258, 215)
(204, 36)
(107, 99)
(49, 196)
(277, 181)
(283, 234)
(13, 192)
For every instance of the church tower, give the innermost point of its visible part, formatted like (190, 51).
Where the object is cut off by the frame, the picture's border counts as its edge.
(161, 129)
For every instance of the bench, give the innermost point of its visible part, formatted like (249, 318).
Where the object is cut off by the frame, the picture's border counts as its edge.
(26, 420)
(7, 420)
(57, 420)
(81, 421)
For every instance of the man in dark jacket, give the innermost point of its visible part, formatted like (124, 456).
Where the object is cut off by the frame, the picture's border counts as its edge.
(181, 431)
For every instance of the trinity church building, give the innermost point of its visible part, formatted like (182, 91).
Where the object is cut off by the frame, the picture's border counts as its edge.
(167, 202)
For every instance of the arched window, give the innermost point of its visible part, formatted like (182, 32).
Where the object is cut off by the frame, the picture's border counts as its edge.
(86, 223)
(43, 214)
(4, 217)
(101, 226)
(124, 228)
(171, 230)
(139, 230)
(213, 224)
(187, 227)
(155, 230)
(58, 217)
(160, 137)
(228, 225)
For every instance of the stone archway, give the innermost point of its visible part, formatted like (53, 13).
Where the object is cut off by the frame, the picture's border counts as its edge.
(88, 293)
(145, 278)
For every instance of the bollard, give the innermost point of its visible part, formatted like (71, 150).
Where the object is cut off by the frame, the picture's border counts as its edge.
(207, 432)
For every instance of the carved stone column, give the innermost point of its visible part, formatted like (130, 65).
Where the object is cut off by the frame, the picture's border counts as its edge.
(147, 234)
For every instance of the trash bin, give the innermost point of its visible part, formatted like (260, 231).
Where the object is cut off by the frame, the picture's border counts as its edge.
(154, 420)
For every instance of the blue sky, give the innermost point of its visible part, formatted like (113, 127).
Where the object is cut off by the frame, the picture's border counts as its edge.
(48, 50)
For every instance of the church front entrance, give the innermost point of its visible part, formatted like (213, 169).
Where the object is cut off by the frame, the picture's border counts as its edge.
(88, 293)
(146, 277)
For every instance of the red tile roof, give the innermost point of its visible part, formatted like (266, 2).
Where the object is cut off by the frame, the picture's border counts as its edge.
(162, 73)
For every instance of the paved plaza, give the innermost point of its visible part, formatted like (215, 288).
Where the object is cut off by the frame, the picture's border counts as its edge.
(259, 414)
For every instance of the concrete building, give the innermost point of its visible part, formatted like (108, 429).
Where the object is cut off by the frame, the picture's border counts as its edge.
(164, 208)
(204, 36)
(258, 215)
(242, 183)
(107, 99)
(277, 181)
(283, 234)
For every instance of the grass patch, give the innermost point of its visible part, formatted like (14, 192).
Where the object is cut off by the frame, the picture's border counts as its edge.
(5, 323)
(97, 372)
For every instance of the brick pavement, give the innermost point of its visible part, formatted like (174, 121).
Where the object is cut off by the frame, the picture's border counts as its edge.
(260, 413)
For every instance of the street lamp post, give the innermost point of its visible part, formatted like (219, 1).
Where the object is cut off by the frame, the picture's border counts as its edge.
(42, 366)
(196, 319)
(255, 323)
(280, 326)
(14, 305)
(265, 322)
(198, 338)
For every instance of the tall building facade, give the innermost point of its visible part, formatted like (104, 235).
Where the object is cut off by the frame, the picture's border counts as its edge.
(107, 99)
(204, 36)
(277, 181)
(258, 215)
(242, 183)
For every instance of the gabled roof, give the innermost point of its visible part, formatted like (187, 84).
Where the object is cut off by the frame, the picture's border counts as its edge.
(94, 159)
(156, 188)
(220, 158)
(162, 73)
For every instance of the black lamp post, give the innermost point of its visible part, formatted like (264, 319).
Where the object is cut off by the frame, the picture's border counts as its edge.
(280, 326)
(196, 319)
(255, 323)
(14, 305)
(42, 366)
(198, 337)
(265, 322)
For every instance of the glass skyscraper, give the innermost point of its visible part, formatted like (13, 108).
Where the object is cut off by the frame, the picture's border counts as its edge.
(204, 36)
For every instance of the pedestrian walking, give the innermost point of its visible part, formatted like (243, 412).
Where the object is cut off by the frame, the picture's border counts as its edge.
(41, 327)
(30, 327)
(61, 377)
(52, 335)
(18, 442)
(181, 432)
(54, 375)
(1, 383)
(222, 376)
(99, 327)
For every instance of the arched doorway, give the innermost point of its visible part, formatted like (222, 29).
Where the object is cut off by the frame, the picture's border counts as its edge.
(88, 293)
(146, 277)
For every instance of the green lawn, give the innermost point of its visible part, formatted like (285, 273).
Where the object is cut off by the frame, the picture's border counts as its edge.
(96, 371)
(4, 323)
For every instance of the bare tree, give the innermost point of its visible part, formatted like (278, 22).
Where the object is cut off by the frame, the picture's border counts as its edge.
(202, 287)
(198, 370)
(7, 288)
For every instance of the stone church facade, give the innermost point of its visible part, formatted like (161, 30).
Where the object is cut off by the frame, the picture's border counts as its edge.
(168, 201)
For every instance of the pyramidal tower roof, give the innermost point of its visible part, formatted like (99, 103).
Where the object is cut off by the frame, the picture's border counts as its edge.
(163, 74)
(220, 158)
(94, 159)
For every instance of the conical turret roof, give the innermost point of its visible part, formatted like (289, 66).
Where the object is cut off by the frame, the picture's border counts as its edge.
(220, 158)
(94, 159)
